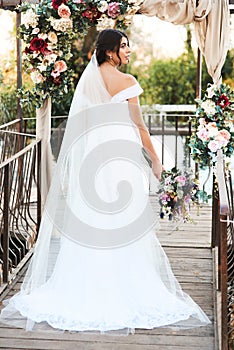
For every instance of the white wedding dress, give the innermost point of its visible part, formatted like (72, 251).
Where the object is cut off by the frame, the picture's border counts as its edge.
(99, 266)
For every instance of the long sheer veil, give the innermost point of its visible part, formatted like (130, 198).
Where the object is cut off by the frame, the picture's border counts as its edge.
(98, 202)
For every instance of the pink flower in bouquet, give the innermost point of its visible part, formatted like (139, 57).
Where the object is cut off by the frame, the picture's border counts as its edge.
(223, 101)
(164, 197)
(113, 9)
(222, 141)
(202, 121)
(64, 11)
(60, 66)
(225, 134)
(203, 134)
(181, 179)
(187, 198)
(55, 74)
(214, 145)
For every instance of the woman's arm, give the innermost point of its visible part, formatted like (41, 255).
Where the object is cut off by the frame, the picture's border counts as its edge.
(136, 116)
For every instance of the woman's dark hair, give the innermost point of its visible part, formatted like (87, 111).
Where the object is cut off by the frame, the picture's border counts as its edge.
(108, 39)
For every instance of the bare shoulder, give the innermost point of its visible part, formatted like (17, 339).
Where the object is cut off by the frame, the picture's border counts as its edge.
(128, 80)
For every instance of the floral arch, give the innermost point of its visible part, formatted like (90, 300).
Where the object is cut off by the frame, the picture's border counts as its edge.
(50, 26)
(48, 30)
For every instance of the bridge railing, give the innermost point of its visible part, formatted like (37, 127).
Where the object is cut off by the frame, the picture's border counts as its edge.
(223, 210)
(19, 197)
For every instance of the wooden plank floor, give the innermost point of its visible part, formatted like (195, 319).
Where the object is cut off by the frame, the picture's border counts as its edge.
(188, 249)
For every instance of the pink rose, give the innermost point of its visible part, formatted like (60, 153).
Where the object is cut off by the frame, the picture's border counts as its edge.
(64, 11)
(202, 134)
(225, 134)
(181, 179)
(187, 198)
(202, 121)
(60, 66)
(113, 10)
(214, 145)
(55, 74)
(164, 197)
(221, 140)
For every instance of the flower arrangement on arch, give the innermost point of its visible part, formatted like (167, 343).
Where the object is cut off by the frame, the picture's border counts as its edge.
(178, 190)
(48, 30)
(213, 124)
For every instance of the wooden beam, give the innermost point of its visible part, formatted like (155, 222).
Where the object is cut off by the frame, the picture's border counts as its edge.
(6, 4)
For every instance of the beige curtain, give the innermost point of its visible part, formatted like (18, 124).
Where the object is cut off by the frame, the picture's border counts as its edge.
(211, 26)
(43, 131)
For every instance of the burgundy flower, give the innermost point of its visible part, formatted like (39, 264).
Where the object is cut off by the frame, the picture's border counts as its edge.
(57, 80)
(57, 3)
(28, 50)
(223, 101)
(91, 13)
(38, 45)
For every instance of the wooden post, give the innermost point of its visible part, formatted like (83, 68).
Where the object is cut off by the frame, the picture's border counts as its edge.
(19, 69)
(5, 238)
(38, 162)
(224, 283)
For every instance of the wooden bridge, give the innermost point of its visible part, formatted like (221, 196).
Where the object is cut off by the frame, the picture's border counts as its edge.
(190, 254)
(201, 256)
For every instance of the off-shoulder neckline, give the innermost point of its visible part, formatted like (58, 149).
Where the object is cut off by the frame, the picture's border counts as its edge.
(126, 89)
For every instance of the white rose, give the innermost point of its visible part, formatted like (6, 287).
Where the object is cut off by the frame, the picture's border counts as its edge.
(30, 19)
(42, 36)
(209, 107)
(52, 37)
(62, 24)
(212, 129)
(50, 58)
(36, 77)
(36, 31)
(104, 23)
(102, 6)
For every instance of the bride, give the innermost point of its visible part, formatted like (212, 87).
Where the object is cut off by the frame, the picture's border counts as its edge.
(97, 264)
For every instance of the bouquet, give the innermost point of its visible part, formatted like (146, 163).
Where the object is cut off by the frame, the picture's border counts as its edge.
(179, 189)
(213, 125)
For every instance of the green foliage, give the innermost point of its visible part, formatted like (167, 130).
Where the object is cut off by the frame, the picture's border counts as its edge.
(171, 81)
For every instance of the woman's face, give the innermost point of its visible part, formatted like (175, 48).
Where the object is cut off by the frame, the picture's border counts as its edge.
(124, 52)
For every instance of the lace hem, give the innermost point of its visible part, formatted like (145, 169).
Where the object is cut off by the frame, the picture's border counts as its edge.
(140, 320)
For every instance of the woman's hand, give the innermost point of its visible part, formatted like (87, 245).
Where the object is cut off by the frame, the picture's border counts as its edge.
(157, 169)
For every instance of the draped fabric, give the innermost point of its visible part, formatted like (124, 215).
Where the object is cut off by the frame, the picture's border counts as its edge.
(43, 131)
(211, 20)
